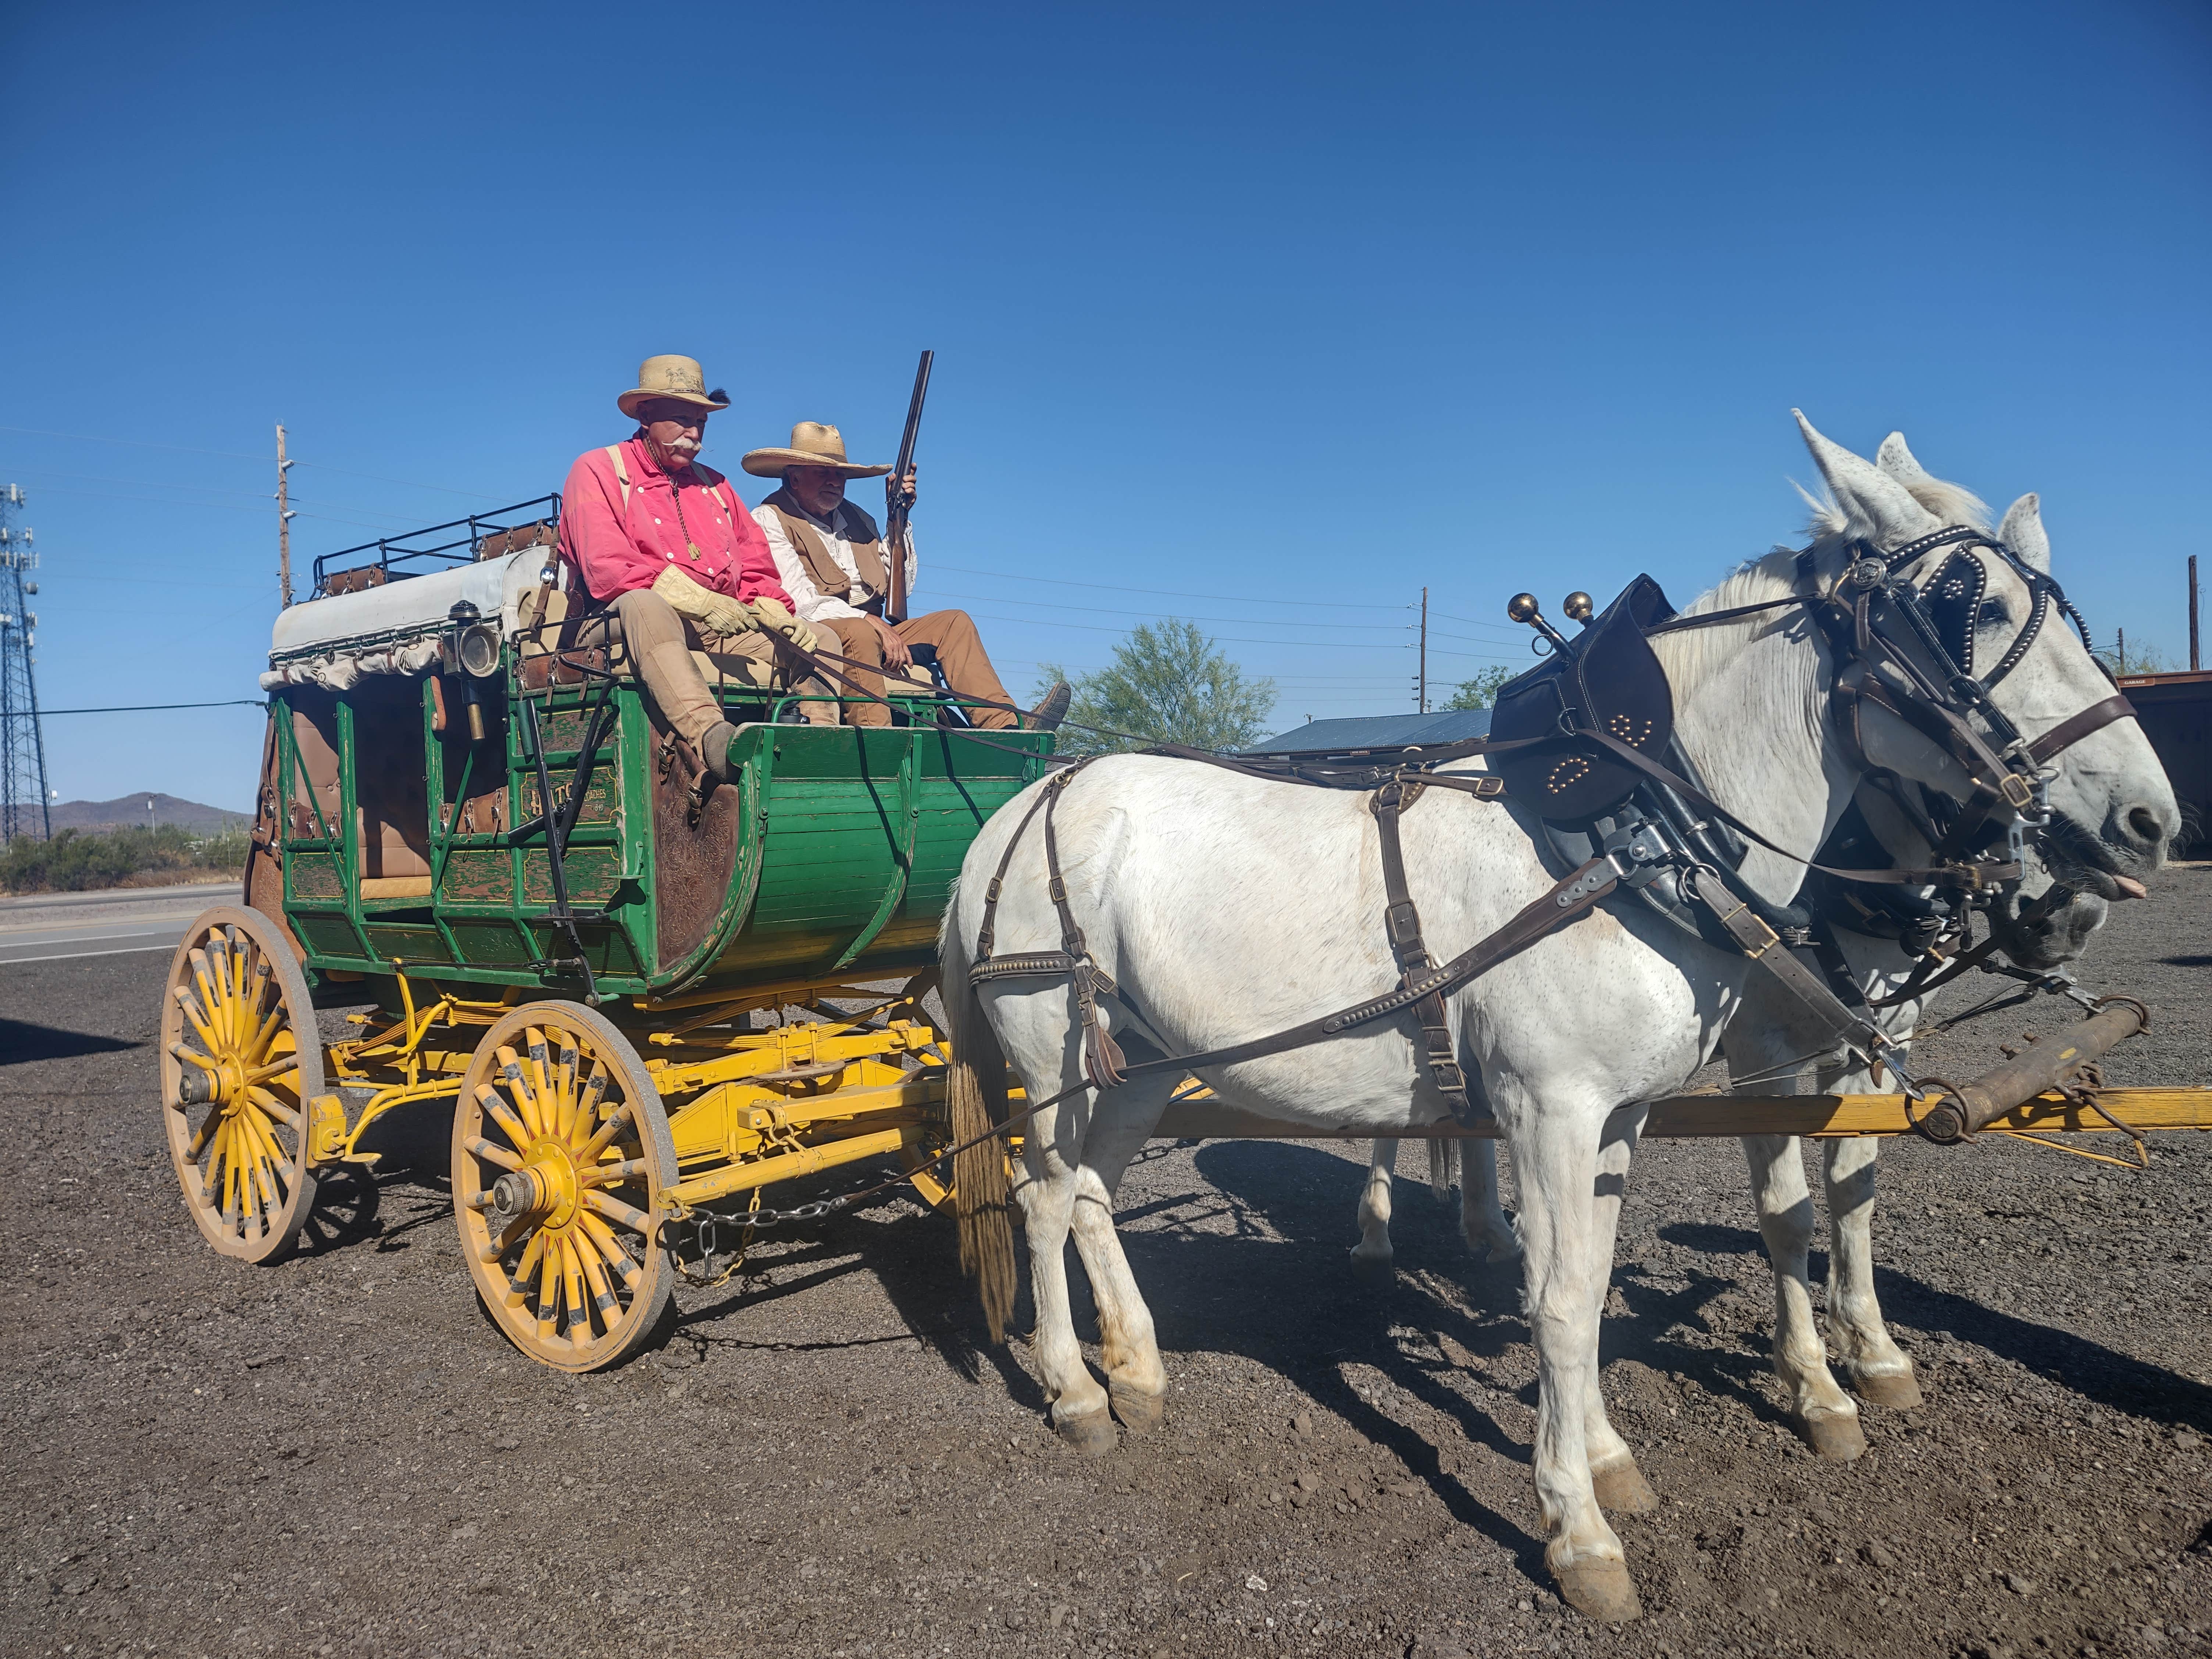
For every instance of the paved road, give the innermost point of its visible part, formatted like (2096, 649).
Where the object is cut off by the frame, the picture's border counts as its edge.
(48, 926)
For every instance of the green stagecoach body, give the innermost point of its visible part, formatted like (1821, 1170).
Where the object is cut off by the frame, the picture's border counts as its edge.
(402, 839)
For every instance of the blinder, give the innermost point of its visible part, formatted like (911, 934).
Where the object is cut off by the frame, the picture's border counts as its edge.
(1606, 679)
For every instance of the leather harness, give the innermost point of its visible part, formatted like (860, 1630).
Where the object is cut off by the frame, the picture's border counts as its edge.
(1937, 695)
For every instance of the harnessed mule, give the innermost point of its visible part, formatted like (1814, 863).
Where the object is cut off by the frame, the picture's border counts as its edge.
(1187, 917)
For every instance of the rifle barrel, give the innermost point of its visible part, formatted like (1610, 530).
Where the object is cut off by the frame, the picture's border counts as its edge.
(895, 549)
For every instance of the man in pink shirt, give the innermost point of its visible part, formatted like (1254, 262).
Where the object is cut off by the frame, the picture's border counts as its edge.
(665, 546)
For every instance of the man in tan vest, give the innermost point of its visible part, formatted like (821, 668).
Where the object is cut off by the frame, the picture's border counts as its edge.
(830, 558)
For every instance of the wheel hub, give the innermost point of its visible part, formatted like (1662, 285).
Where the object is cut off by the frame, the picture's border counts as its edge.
(546, 1187)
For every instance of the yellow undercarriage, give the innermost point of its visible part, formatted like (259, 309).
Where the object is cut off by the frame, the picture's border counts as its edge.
(745, 1109)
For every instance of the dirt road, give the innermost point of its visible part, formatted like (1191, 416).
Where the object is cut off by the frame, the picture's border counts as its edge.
(340, 1456)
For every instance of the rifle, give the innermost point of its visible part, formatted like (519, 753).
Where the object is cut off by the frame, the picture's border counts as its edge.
(902, 507)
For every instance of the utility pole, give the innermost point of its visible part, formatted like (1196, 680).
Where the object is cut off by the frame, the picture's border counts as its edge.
(1423, 687)
(284, 522)
(2121, 649)
(2196, 660)
(22, 746)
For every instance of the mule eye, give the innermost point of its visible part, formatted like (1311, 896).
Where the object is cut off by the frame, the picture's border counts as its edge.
(1992, 613)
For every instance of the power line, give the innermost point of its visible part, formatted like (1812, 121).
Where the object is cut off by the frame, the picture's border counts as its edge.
(1165, 593)
(1301, 645)
(1103, 611)
(151, 707)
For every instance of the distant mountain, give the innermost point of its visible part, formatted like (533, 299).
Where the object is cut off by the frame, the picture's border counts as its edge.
(132, 809)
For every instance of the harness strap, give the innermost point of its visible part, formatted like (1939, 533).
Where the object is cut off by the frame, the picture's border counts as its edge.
(1593, 881)
(1762, 944)
(2075, 727)
(1402, 925)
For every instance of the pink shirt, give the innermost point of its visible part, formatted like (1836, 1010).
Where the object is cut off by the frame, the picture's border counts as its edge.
(614, 546)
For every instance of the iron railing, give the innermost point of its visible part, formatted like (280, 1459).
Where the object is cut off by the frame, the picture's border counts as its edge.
(391, 553)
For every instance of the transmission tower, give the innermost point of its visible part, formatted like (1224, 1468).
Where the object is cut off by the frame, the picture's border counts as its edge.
(24, 799)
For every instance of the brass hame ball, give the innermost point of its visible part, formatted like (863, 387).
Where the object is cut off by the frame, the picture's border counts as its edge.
(1522, 607)
(1579, 607)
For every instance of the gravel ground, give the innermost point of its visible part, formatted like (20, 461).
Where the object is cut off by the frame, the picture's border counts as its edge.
(340, 1455)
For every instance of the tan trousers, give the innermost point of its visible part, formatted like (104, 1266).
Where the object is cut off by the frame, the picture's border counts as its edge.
(669, 653)
(967, 669)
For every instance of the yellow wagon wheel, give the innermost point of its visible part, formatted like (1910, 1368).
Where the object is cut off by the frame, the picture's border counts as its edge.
(561, 1154)
(241, 1059)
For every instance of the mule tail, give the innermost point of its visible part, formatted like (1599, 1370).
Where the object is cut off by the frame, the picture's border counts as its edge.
(981, 1200)
(1443, 1164)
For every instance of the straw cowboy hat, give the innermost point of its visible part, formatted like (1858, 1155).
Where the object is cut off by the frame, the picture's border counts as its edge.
(676, 378)
(813, 444)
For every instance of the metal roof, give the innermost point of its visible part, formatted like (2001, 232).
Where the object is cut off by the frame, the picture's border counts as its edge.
(1379, 731)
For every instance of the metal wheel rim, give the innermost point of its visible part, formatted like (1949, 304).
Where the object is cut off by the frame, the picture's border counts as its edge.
(236, 1017)
(575, 1284)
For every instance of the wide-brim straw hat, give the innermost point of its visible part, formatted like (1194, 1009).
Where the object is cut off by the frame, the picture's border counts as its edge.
(676, 378)
(813, 444)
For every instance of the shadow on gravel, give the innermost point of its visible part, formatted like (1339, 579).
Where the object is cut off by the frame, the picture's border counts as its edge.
(2089, 1369)
(913, 1256)
(21, 1040)
(1270, 1294)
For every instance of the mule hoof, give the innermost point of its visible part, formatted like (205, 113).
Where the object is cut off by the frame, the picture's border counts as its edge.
(1833, 1435)
(1091, 1433)
(1897, 1390)
(1622, 1488)
(1137, 1412)
(1599, 1590)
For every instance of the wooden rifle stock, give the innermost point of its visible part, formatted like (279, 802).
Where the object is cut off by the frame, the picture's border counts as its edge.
(902, 508)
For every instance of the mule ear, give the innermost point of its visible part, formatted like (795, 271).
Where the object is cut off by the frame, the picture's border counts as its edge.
(1894, 459)
(1876, 508)
(2023, 532)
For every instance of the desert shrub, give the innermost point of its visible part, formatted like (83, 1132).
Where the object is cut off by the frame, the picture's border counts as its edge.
(75, 860)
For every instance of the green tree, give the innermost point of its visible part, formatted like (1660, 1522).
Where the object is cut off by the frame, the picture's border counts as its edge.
(1481, 691)
(1168, 683)
(2124, 659)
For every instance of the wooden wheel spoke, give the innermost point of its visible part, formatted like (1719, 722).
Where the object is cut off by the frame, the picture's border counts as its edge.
(572, 1284)
(204, 1135)
(518, 1092)
(496, 1110)
(619, 1212)
(287, 1115)
(198, 1015)
(595, 1091)
(609, 1175)
(595, 1275)
(610, 1249)
(216, 1010)
(190, 1056)
(599, 1142)
(564, 1086)
(549, 1109)
(492, 1152)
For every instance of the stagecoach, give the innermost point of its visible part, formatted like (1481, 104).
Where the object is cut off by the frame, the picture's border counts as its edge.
(565, 935)
(644, 1000)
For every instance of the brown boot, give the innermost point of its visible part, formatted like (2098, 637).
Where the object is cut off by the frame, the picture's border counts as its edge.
(715, 749)
(1051, 710)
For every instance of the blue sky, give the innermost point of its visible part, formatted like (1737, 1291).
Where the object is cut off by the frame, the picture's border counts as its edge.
(1264, 316)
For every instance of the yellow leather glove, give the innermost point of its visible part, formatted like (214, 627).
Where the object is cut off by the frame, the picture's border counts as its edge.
(772, 616)
(715, 613)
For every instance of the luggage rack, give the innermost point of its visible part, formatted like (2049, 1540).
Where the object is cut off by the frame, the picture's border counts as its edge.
(346, 571)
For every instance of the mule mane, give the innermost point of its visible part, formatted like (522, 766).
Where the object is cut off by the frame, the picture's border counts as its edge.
(1690, 655)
